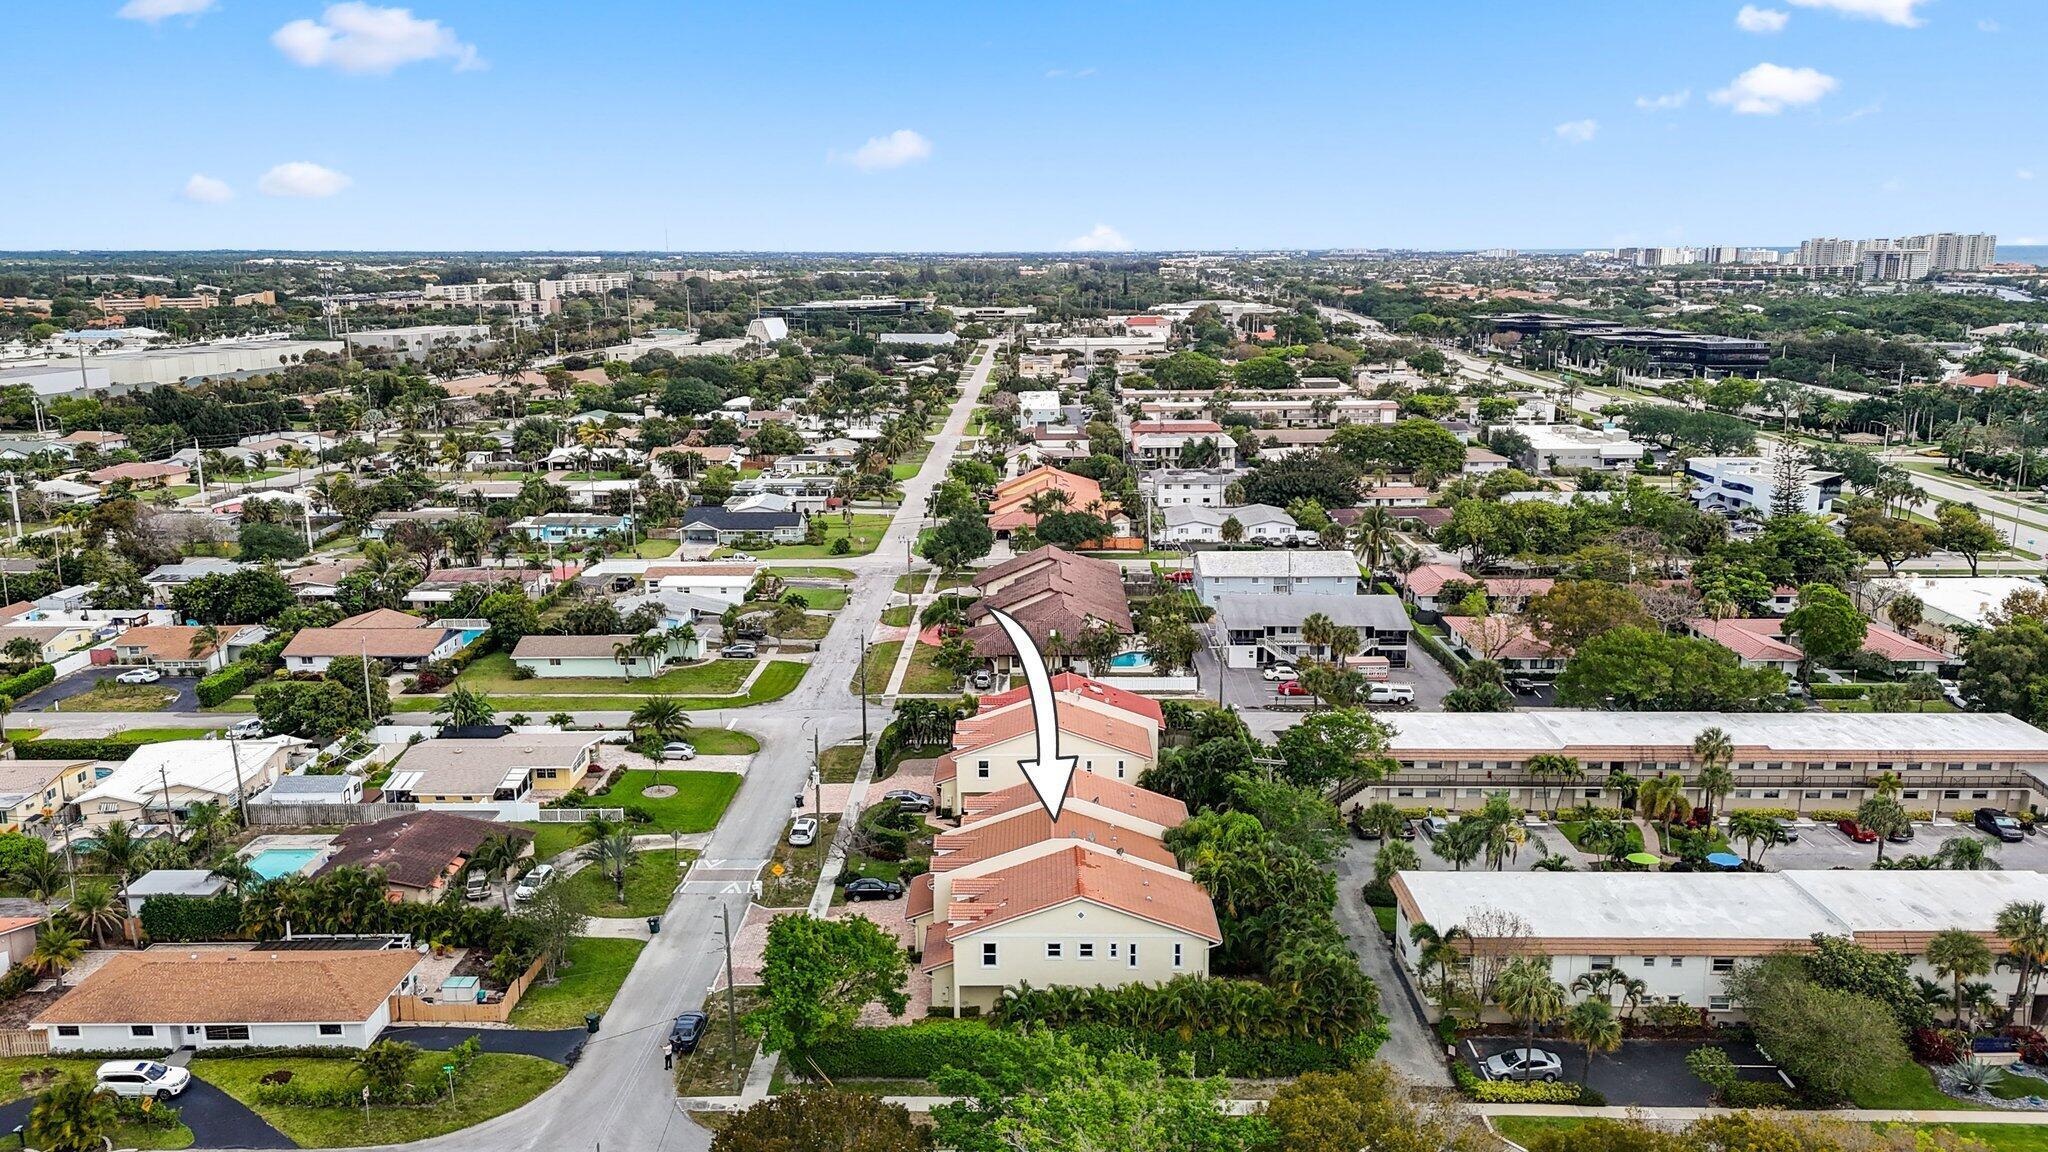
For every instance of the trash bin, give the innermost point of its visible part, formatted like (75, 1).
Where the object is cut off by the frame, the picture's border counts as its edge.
(653, 925)
(590, 1020)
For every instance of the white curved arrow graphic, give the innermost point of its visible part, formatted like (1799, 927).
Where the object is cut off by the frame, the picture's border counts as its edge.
(1050, 772)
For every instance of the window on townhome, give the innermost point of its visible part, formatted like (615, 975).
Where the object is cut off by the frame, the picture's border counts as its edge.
(1112, 949)
(1724, 964)
(1085, 950)
(1176, 955)
(1678, 961)
(1131, 955)
(988, 954)
(330, 1029)
(981, 769)
(142, 1029)
(227, 1031)
(1602, 963)
(1054, 950)
(1649, 961)
(67, 1029)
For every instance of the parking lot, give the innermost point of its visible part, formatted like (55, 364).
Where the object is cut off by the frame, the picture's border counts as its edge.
(1253, 695)
(1642, 1074)
(1824, 846)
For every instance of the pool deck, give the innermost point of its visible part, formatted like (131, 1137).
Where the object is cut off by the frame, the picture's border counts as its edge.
(316, 844)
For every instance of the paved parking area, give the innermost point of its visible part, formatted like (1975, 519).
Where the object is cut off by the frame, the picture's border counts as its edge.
(1643, 1074)
(1822, 846)
(1247, 690)
(86, 679)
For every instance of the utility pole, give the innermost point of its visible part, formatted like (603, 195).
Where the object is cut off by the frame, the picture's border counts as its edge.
(14, 498)
(732, 1012)
(817, 778)
(863, 690)
(199, 461)
(235, 751)
(166, 780)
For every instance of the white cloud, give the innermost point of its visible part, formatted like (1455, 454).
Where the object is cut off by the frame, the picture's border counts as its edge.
(207, 190)
(1101, 238)
(1069, 73)
(358, 37)
(302, 179)
(1577, 131)
(1762, 21)
(892, 151)
(1667, 102)
(1769, 89)
(151, 11)
(1990, 26)
(2024, 174)
(1899, 12)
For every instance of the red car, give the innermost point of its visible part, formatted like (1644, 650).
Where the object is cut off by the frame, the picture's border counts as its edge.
(1856, 832)
(1290, 688)
(1181, 576)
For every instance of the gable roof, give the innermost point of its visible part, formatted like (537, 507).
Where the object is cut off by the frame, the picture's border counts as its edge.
(1079, 874)
(985, 728)
(1104, 792)
(415, 850)
(963, 846)
(382, 618)
(404, 643)
(172, 641)
(254, 987)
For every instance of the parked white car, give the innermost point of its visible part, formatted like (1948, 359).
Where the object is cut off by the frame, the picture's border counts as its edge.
(1524, 1064)
(678, 750)
(531, 883)
(1390, 694)
(250, 729)
(139, 676)
(142, 1079)
(803, 832)
(1278, 672)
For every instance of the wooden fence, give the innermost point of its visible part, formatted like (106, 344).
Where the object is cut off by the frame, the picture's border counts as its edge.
(24, 1042)
(412, 1009)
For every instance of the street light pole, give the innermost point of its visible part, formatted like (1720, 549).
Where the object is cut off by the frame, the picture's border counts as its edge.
(732, 1014)
(863, 691)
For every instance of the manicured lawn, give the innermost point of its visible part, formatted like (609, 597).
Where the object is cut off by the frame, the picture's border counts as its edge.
(494, 673)
(812, 627)
(699, 801)
(840, 763)
(813, 573)
(897, 617)
(863, 535)
(497, 1083)
(107, 696)
(923, 676)
(13, 1068)
(779, 679)
(650, 884)
(587, 983)
(654, 549)
(723, 742)
(912, 581)
(2014, 1086)
(1718, 844)
(1911, 1085)
(710, 1070)
(1864, 706)
(551, 840)
(1522, 1129)
(1573, 829)
(800, 866)
(1386, 918)
(880, 662)
(823, 599)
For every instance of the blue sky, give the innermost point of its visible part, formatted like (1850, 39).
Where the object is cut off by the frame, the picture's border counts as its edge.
(956, 127)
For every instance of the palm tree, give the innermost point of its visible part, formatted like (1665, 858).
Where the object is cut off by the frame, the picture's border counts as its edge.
(1883, 816)
(1887, 784)
(1316, 630)
(236, 872)
(2023, 925)
(661, 717)
(204, 641)
(1527, 992)
(1461, 843)
(1662, 798)
(97, 911)
(1504, 840)
(21, 652)
(1624, 785)
(465, 707)
(495, 858)
(1713, 751)
(56, 949)
(1438, 952)
(116, 849)
(41, 873)
(1546, 766)
(1966, 854)
(614, 854)
(1753, 828)
(1958, 955)
(1591, 1023)
(74, 1115)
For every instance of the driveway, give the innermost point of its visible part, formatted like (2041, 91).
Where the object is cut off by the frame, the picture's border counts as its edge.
(1643, 1074)
(84, 681)
(217, 1119)
(562, 1045)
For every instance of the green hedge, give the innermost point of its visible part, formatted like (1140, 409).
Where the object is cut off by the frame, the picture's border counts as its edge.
(1486, 1091)
(917, 1051)
(223, 685)
(1438, 651)
(181, 919)
(1242, 1057)
(15, 687)
(74, 749)
(1839, 691)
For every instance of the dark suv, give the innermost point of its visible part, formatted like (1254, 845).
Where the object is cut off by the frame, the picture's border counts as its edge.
(1996, 822)
(687, 1031)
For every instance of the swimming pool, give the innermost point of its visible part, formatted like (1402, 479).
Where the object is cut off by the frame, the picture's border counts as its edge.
(1130, 660)
(274, 862)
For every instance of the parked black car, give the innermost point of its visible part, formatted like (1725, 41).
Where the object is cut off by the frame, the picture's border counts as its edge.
(871, 888)
(687, 1031)
(1407, 830)
(1997, 823)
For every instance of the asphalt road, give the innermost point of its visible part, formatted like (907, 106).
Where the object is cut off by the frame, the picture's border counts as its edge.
(617, 1095)
(45, 698)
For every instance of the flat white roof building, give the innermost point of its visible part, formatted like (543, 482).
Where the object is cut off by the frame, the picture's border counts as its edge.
(1609, 734)
(1555, 446)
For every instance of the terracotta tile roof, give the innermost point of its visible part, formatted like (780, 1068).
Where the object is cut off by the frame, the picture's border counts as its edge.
(961, 847)
(404, 643)
(1147, 427)
(255, 987)
(1102, 791)
(1522, 644)
(917, 901)
(1077, 874)
(172, 641)
(415, 850)
(663, 571)
(1746, 639)
(1057, 591)
(139, 470)
(16, 609)
(1078, 685)
(985, 728)
(322, 573)
(938, 947)
(382, 618)
(1007, 506)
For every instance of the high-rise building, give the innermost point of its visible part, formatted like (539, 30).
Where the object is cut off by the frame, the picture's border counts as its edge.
(1886, 260)
(593, 283)
(1955, 251)
(1758, 256)
(1827, 251)
(479, 291)
(1719, 254)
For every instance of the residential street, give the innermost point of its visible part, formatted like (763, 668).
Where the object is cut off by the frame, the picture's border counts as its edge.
(617, 1096)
